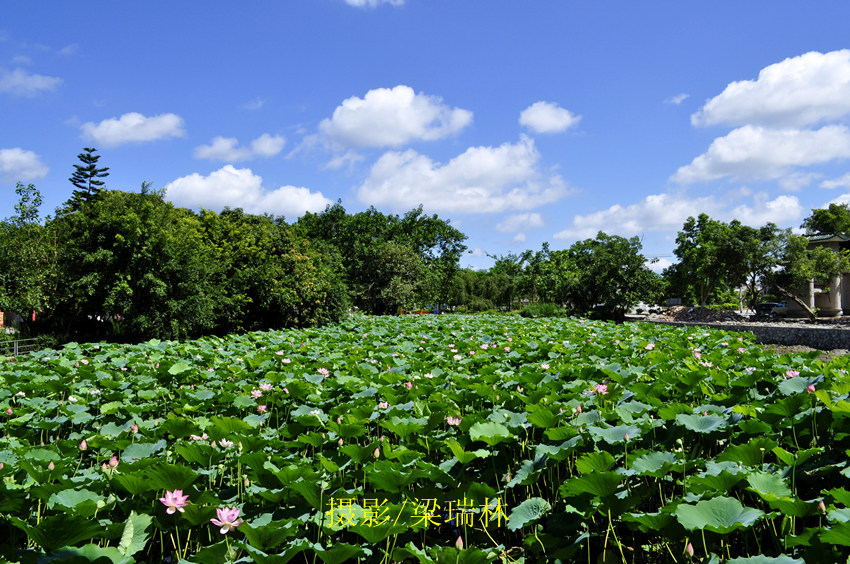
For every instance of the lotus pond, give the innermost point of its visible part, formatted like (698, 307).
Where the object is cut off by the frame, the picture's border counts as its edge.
(427, 439)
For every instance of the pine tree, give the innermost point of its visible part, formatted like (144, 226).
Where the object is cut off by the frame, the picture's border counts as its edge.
(86, 177)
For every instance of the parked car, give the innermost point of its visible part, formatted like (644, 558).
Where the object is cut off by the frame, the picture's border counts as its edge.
(771, 309)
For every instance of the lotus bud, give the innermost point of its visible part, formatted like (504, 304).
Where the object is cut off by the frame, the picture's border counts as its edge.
(459, 543)
(377, 453)
(84, 445)
(340, 442)
(822, 507)
(810, 388)
(578, 409)
(689, 550)
(51, 466)
(113, 462)
(626, 437)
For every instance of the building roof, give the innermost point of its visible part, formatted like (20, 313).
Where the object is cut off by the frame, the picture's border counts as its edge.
(829, 237)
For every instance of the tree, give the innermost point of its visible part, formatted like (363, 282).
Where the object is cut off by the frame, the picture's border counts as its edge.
(436, 245)
(137, 258)
(706, 252)
(611, 275)
(86, 177)
(753, 256)
(27, 256)
(833, 220)
(801, 265)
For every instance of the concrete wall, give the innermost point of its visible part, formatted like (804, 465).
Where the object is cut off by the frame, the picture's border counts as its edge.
(824, 338)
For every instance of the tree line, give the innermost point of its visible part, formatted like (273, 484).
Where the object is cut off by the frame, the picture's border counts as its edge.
(131, 266)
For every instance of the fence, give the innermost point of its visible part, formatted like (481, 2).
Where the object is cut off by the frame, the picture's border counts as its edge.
(20, 346)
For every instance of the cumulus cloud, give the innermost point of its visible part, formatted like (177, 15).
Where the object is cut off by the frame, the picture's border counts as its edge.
(133, 128)
(520, 222)
(668, 212)
(656, 212)
(373, 3)
(840, 182)
(22, 83)
(393, 117)
(17, 164)
(766, 153)
(547, 117)
(241, 188)
(781, 210)
(480, 180)
(227, 148)
(796, 92)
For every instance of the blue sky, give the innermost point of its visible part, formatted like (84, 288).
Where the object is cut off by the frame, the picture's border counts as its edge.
(521, 122)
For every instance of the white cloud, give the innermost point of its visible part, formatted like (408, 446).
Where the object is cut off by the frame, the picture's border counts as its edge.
(392, 117)
(227, 149)
(476, 252)
(659, 265)
(796, 181)
(520, 222)
(667, 212)
(23, 83)
(781, 210)
(840, 182)
(480, 180)
(547, 117)
(241, 188)
(766, 153)
(520, 238)
(133, 128)
(656, 212)
(17, 164)
(796, 92)
(677, 99)
(373, 3)
(69, 50)
(349, 158)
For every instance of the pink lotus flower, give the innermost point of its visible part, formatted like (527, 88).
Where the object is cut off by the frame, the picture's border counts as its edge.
(134, 428)
(601, 389)
(175, 501)
(9, 411)
(383, 405)
(323, 371)
(429, 376)
(792, 373)
(544, 366)
(453, 420)
(228, 519)
(113, 462)
(650, 346)
(256, 394)
(810, 388)
(261, 409)
(266, 387)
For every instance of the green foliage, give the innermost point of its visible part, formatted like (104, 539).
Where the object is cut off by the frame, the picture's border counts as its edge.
(833, 220)
(27, 257)
(554, 440)
(543, 310)
(86, 178)
(390, 263)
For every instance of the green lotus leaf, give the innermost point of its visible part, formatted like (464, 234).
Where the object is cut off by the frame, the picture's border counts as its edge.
(489, 432)
(528, 512)
(720, 515)
(701, 423)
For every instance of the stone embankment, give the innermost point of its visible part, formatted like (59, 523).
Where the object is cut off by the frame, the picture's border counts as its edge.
(825, 334)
